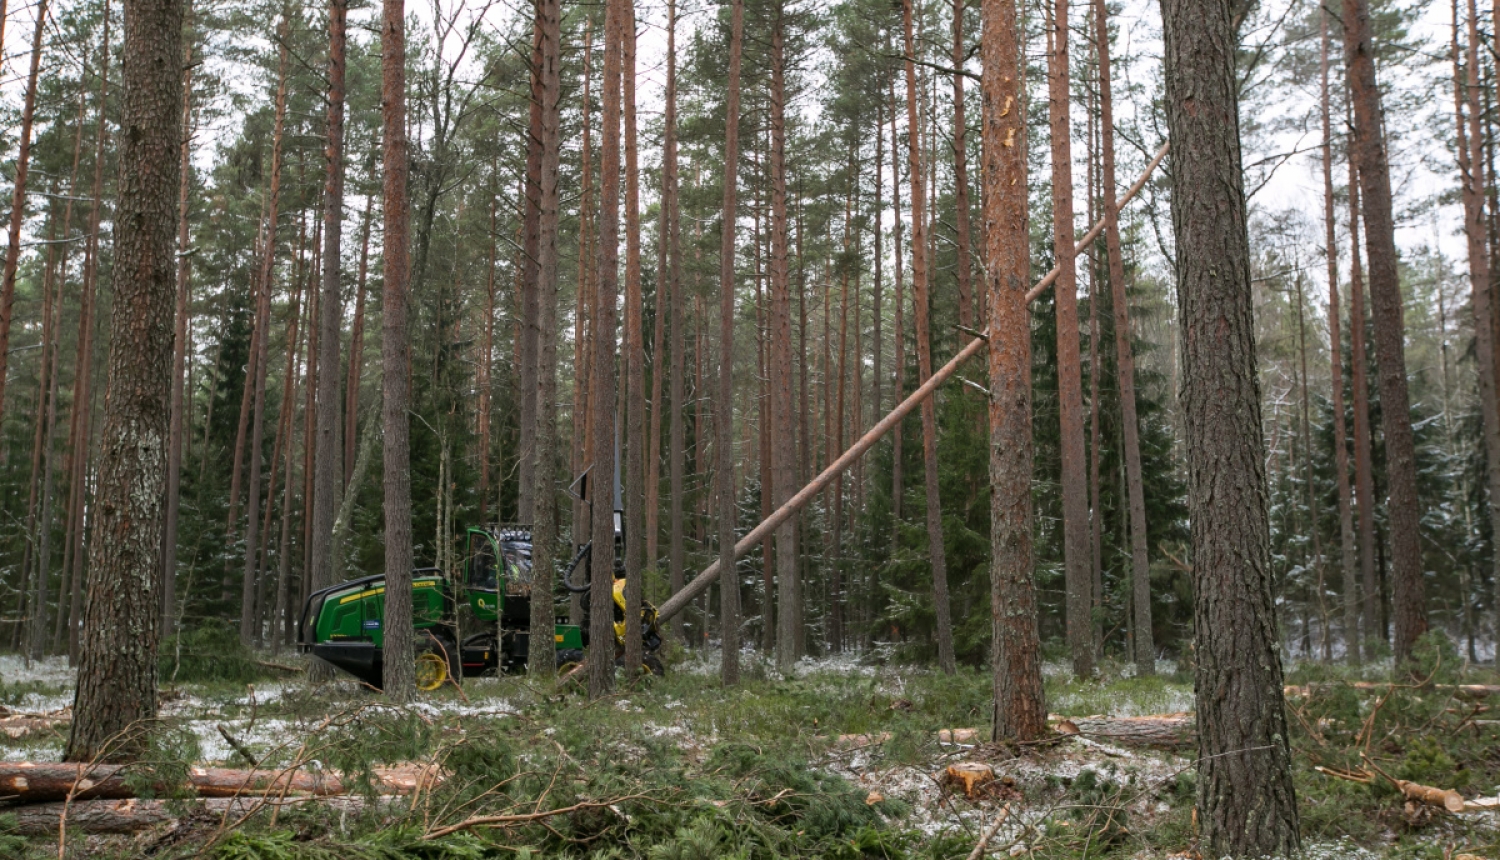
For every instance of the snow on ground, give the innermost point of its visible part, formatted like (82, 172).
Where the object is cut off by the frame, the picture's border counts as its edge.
(51, 672)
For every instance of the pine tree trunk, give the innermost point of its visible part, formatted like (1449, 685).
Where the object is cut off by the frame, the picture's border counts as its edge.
(783, 439)
(1246, 802)
(18, 199)
(487, 357)
(1402, 506)
(1316, 562)
(729, 589)
(1015, 650)
(672, 236)
(260, 354)
(603, 408)
(635, 366)
(542, 658)
(117, 670)
(399, 673)
(1144, 649)
(919, 280)
(897, 321)
(582, 346)
(84, 363)
(327, 456)
(1475, 186)
(1348, 555)
(960, 184)
(179, 356)
(36, 560)
(356, 351)
(529, 272)
(1076, 556)
(1364, 480)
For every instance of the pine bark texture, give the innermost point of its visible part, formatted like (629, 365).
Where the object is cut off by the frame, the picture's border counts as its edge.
(1246, 803)
(1408, 601)
(1015, 650)
(1074, 462)
(117, 670)
(729, 589)
(919, 288)
(395, 348)
(541, 657)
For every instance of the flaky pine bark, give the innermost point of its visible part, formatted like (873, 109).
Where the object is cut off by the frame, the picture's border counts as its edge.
(1076, 557)
(1471, 167)
(1408, 600)
(18, 198)
(729, 588)
(672, 236)
(261, 349)
(960, 190)
(327, 457)
(1347, 556)
(117, 671)
(783, 449)
(919, 282)
(1015, 650)
(618, 14)
(1246, 804)
(541, 659)
(1364, 477)
(635, 364)
(395, 348)
(1145, 652)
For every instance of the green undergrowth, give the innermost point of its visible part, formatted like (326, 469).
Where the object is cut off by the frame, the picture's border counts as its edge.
(680, 768)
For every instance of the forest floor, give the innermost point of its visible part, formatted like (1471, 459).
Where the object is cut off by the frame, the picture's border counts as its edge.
(843, 760)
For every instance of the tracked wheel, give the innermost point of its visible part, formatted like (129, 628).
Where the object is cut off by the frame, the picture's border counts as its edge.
(431, 671)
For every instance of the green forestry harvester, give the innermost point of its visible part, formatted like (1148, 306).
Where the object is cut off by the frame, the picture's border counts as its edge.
(344, 624)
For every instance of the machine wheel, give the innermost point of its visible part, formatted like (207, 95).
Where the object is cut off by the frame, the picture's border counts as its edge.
(567, 658)
(431, 672)
(652, 663)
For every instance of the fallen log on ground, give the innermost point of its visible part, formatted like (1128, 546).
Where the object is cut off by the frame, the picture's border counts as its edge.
(1161, 731)
(1462, 691)
(40, 782)
(134, 815)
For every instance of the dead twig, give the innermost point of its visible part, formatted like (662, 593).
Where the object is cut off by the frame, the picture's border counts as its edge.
(989, 832)
(512, 820)
(238, 747)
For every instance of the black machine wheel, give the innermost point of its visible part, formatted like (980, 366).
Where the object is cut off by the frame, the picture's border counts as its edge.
(653, 664)
(567, 658)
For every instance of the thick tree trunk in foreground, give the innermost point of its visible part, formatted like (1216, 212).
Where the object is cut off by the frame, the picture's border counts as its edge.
(1015, 653)
(328, 458)
(919, 283)
(117, 672)
(729, 586)
(1076, 555)
(541, 658)
(601, 660)
(1145, 652)
(783, 449)
(399, 678)
(1368, 145)
(1246, 803)
(1348, 556)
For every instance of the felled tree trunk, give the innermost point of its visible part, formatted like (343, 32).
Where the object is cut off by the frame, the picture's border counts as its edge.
(42, 782)
(133, 816)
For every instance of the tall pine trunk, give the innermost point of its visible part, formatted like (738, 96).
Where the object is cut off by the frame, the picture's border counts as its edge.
(960, 191)
(783, 447)
(117, 669)
(1246, 803)
(919, 283)
(672, 236)
(635, 365)
(1364, 477)
(1402, 507)
(179, 358)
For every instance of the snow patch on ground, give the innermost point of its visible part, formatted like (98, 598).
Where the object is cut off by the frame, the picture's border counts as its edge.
(1134, 703)
(49, 670)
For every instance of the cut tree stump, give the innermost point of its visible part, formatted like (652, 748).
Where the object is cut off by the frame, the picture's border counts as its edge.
(971, 776)
(39, 782)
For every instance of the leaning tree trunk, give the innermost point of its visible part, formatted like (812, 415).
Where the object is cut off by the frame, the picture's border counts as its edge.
(1020, 711)
(1246, 804)
(117, 671)
(919, 282)
(1408, 601)
(399, 678)
(1075, 499)
(729, 588)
